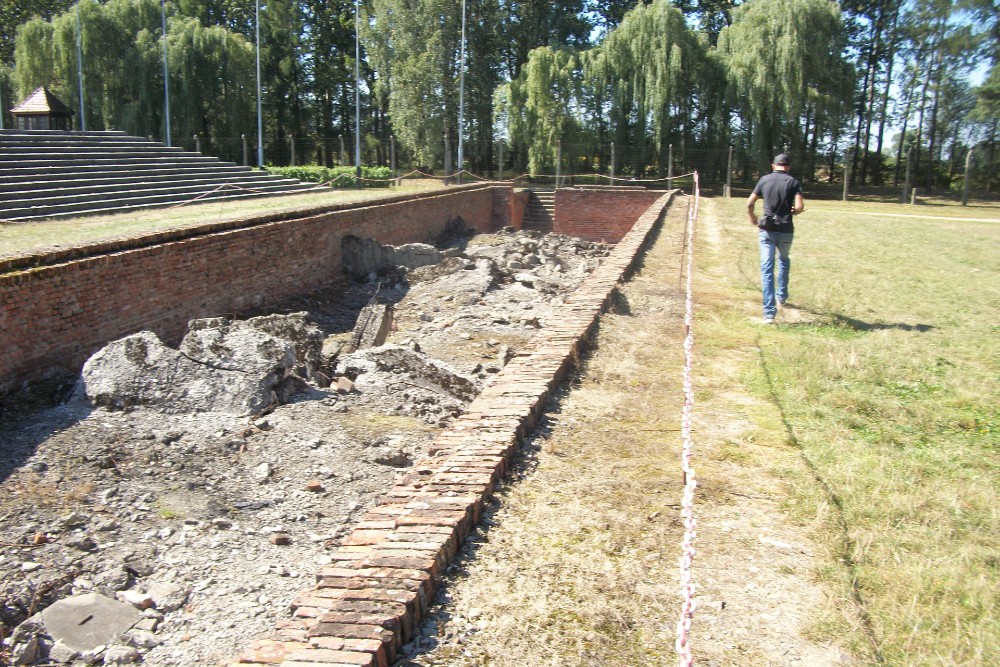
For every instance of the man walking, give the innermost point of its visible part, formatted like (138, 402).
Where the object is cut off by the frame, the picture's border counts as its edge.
(782, 196)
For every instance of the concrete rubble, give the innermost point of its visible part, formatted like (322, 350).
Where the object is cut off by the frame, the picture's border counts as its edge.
(191, 492)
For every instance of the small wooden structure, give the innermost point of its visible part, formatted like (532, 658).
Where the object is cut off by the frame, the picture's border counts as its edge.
(42, 111)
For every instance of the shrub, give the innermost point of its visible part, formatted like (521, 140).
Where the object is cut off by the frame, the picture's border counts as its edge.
(336, 177)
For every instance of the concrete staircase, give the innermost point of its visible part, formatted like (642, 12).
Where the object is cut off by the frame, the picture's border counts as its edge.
(53, 174)
(540, 211)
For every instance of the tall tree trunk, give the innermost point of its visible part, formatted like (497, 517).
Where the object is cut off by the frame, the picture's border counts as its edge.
(861, 120)
(884, 111)
(932, 144)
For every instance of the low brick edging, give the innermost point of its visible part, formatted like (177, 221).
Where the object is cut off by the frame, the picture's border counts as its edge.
(369, 601)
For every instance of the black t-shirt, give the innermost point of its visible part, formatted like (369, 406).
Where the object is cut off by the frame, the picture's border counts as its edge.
(778, 190)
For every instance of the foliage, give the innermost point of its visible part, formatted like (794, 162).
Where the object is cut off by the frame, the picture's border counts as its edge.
(776, 68)
(651, 77)
(336, 177)
(210, 69)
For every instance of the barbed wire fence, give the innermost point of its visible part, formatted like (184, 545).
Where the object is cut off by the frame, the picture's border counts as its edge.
(724, 169)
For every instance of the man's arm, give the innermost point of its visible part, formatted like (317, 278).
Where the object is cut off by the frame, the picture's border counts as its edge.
(751, 202)
(800, 204)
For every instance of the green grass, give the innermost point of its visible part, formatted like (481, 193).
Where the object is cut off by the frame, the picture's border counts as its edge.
(23, 238)
(888, 384)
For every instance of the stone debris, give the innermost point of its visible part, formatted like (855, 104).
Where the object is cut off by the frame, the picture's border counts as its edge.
(363, 257)
(81, 625)
(373, 327)
(169, 489)
(240, 366)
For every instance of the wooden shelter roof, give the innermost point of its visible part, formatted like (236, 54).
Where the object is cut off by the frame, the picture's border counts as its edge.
(42, 101)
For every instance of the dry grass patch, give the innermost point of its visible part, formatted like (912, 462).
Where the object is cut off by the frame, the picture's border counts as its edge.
(22, 238)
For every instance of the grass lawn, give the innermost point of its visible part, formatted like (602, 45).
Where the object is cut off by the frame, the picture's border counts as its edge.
(886, 379)
(22, 238)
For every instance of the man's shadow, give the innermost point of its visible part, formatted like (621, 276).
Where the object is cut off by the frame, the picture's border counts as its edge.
(844, 322)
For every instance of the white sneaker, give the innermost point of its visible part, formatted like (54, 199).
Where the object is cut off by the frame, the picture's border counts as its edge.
(768, 320)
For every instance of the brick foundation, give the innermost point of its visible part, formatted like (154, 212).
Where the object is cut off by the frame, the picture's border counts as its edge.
(57, 309)
(601, 213)
(370, 600)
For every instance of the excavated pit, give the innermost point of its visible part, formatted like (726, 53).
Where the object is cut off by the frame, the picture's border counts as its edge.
(193, 487)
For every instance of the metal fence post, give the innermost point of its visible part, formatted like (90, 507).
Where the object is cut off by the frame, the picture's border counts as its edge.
(611, 167)
(558, 162)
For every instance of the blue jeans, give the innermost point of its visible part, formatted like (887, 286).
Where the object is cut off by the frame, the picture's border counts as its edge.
(769, 243)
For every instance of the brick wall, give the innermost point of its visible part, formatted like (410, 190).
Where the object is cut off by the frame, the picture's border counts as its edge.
(53, 316)
(600, 213)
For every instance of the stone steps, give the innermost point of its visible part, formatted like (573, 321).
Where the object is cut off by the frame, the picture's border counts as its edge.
(52, 174)
(540, 211)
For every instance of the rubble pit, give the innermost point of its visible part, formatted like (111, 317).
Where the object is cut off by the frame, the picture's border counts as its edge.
(203, 512)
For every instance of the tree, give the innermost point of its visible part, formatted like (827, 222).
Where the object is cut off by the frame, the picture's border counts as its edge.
(211, 69)
(413, 48)
(648, 65)
(784, 58)
(329, 69)
(534, 23)
(986, 115)
(541, 103)
(13, 14)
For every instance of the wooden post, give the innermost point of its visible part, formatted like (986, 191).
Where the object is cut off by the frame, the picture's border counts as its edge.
(729, 175)
(847, 171)
(500, 161)
(197, 144)
(291, 143)
(965, 181)
(906, 182)
(246, 160)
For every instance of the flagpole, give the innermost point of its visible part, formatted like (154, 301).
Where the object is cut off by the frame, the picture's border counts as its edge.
(79, 68)
(461, 101)
(260, 120)
(166, 75)
(357, 92)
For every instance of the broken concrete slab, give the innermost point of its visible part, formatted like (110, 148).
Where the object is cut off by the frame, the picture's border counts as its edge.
(86, 621)
(373, 326)
(369, 367)
(232, 366)
(362, 257)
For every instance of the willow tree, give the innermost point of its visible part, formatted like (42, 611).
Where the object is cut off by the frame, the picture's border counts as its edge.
(413, 48)
(542, 103)
(649, 62)
(783, 57)
(211, 69)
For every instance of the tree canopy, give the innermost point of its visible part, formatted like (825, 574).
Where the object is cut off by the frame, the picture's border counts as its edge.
(655, 79)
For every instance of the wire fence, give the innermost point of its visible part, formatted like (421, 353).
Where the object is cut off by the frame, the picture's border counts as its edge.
(719, 168)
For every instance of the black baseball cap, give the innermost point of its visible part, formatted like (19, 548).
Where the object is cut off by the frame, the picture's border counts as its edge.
(780, 160)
